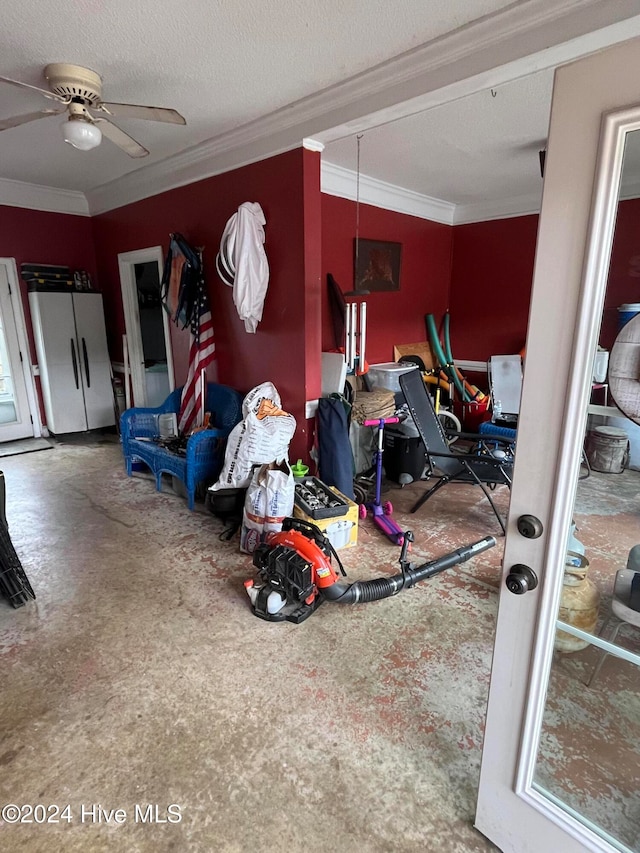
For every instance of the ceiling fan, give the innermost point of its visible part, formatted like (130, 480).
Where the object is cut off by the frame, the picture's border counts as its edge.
(80, 91)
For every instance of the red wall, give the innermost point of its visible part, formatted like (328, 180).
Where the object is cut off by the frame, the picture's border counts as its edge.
(624, 273)
(39, 237)
(394, 317)
(481, 271)
(284, 186)
(491, 286)
(493, 273)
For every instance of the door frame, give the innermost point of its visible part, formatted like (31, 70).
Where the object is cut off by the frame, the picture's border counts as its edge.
(579, 208)
(28, 369)
(126, 264)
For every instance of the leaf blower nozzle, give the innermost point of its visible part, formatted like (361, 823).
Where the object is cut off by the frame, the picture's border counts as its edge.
(409, 575)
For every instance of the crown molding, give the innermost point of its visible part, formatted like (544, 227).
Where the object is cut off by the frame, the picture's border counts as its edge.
(338, 181)
(182, 169)
(39, 197)
(522, 38)
(507, 208)
(525, 41)
(313, 145)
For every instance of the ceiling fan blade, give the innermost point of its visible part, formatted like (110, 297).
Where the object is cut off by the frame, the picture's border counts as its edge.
(16, 121)
(121, 139)
(147, 113)
(46, 92)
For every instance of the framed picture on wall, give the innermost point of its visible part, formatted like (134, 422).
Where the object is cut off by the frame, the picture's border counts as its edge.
(376, 264)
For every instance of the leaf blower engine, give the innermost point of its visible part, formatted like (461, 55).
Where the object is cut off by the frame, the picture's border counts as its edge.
(297, 574)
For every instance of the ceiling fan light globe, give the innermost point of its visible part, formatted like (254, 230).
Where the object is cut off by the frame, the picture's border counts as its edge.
(82, 134)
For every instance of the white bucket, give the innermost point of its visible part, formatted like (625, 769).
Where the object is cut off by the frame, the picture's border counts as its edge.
(608, 449)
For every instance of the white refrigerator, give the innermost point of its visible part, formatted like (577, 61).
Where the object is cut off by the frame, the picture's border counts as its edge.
(73, 360)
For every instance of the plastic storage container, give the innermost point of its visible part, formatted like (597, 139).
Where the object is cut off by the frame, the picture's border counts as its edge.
(388, 375)
(331, 505)
(342, 531)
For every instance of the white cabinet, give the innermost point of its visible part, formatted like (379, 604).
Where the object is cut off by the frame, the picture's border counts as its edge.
(75, 372)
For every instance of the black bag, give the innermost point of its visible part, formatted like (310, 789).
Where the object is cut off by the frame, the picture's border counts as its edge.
(227, 505)
(335, 459)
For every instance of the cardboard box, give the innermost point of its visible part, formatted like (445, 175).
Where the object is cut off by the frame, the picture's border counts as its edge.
(341, 530)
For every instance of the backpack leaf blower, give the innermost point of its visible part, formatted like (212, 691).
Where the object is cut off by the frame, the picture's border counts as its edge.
(297, 574)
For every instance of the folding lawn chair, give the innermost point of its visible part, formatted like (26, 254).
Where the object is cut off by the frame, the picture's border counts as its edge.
(487, 463)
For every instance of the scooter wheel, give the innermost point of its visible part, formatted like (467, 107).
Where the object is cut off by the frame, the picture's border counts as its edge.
(362, 511)
(387, 508)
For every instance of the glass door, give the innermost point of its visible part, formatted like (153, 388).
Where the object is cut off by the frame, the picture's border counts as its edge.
(152, 331)
(561, 759)
(149, 358)
(15, 418)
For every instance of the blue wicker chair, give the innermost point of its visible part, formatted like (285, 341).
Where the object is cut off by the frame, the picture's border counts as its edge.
(205, 449)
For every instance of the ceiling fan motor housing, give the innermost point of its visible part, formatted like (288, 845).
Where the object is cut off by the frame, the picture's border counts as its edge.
(79, 89)
(74, 81)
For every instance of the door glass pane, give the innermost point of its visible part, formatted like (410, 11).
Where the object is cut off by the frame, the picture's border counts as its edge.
(8, 412)
(152, 331)
(588, 760)
(589, 756)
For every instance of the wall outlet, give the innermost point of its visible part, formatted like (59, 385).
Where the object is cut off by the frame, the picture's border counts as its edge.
(310, 409)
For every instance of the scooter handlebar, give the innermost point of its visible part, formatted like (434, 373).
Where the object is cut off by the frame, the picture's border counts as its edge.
(378, 421)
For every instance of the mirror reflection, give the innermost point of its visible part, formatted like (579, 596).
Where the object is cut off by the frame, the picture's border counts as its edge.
(589, 753)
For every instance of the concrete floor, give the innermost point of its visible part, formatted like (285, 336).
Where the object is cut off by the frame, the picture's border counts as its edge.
(140, 676)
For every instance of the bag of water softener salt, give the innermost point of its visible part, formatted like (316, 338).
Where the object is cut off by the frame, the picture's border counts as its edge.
(269, 500)
(262, 436)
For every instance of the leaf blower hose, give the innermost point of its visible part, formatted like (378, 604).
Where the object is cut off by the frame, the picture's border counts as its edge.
(297, 574)
(409, 576)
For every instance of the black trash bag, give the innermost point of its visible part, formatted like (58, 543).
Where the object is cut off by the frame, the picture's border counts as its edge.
(227, 505)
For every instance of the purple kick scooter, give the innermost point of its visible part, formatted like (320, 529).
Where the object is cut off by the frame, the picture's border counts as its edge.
(382, 511)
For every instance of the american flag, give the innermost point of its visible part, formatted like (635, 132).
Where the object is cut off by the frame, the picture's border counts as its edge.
(201, 354)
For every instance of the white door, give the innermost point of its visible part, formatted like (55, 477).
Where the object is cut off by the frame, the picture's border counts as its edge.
(147, 326)
(59, 361)
(560, 768)
(95, 366)
(15, 417)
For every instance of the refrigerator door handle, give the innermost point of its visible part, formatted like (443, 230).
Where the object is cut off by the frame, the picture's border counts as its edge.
(86, 362)
(74, 361)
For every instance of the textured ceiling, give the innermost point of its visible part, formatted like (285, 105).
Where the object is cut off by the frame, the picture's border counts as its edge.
(479, 148)
(220, 64)
(225, 64)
